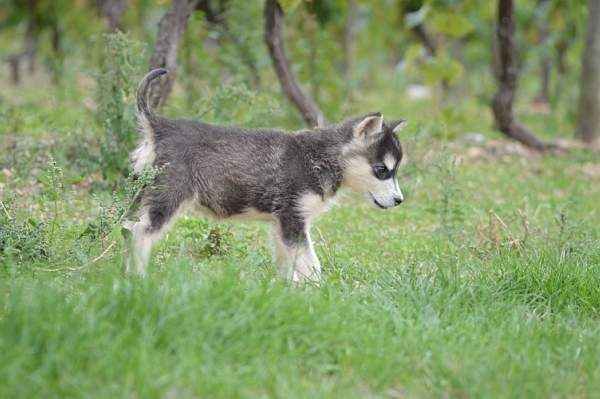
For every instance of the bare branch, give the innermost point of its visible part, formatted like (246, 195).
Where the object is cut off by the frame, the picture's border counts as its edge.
(29, 48)
(78, 268)
(170, 30)
(426, 39)
(507, 74)
(112, 11)
(289, 83)
(349, 36)
(589, 100)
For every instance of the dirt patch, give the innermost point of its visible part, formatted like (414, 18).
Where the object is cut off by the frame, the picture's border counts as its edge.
(589, 170)
(494, 150)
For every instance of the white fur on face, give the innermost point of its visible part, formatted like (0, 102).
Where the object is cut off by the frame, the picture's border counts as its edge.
(360, 177)
(389, 161)
(397, 189)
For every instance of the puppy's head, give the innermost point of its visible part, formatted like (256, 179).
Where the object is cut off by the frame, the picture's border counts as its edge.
(372, 158)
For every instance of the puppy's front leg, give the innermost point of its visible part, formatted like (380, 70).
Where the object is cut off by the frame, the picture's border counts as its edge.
(294, 252)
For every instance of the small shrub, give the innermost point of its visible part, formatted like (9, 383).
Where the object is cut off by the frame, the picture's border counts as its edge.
(21, 241)
(216, 242)
(52, 181)
(123, 202)
(26, 240)
(117, 80)
(448, 208)
(236, 102)
(201, 239)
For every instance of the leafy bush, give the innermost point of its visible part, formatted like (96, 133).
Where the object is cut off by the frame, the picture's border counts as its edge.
(25, 240)
(21, 241)
(232, 101)
(123, 202)
(31, 239)
(120, 71)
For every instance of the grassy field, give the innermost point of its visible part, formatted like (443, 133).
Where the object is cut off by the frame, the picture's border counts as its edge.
(484, 283)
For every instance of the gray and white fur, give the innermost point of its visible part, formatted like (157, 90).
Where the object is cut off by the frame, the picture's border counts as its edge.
(261, 174)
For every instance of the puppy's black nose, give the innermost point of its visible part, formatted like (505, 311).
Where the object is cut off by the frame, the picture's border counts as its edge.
(398, 200)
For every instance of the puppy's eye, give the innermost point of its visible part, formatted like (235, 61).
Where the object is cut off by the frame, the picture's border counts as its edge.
(381, 172)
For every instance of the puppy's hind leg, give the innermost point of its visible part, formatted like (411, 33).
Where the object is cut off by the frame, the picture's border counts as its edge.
(140, 245)
(154, 221)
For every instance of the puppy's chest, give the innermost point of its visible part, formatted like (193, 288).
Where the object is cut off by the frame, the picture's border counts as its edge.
(311, 205)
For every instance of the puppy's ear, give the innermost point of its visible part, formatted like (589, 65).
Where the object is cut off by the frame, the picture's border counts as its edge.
(369, 125)
(397, 125)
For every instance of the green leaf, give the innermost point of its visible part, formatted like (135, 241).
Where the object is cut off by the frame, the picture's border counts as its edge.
(125, 233)
(116, 233)
(289, 5)
(440, 69)
(451, 24)
(92, 230)
(412, 54)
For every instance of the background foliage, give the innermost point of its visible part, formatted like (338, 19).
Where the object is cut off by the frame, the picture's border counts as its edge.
(484, 283)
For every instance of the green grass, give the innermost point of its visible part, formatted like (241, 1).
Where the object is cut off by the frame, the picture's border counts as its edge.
(407, 307)
(484, 283)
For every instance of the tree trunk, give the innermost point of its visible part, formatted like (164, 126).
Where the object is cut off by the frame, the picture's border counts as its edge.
(15, 71)
(541, 15)
(496, 64)
(425, 38)
(29, 48)
(31, 44)
(589, 100)
(561, 51)
(546, 70)
(311, 113)
(349, 34)
(57, 63)
(170, 30)
(502, 104)
(112, 11)
(27, 54)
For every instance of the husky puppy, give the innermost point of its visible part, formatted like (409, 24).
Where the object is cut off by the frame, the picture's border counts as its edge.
(261, 174)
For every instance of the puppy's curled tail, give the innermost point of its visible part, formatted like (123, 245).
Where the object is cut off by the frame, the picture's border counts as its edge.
(142, 92)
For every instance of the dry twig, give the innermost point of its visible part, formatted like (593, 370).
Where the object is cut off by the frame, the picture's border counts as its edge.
(75, 269)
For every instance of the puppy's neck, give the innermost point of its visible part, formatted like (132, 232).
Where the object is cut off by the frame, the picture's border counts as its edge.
(323, 153)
